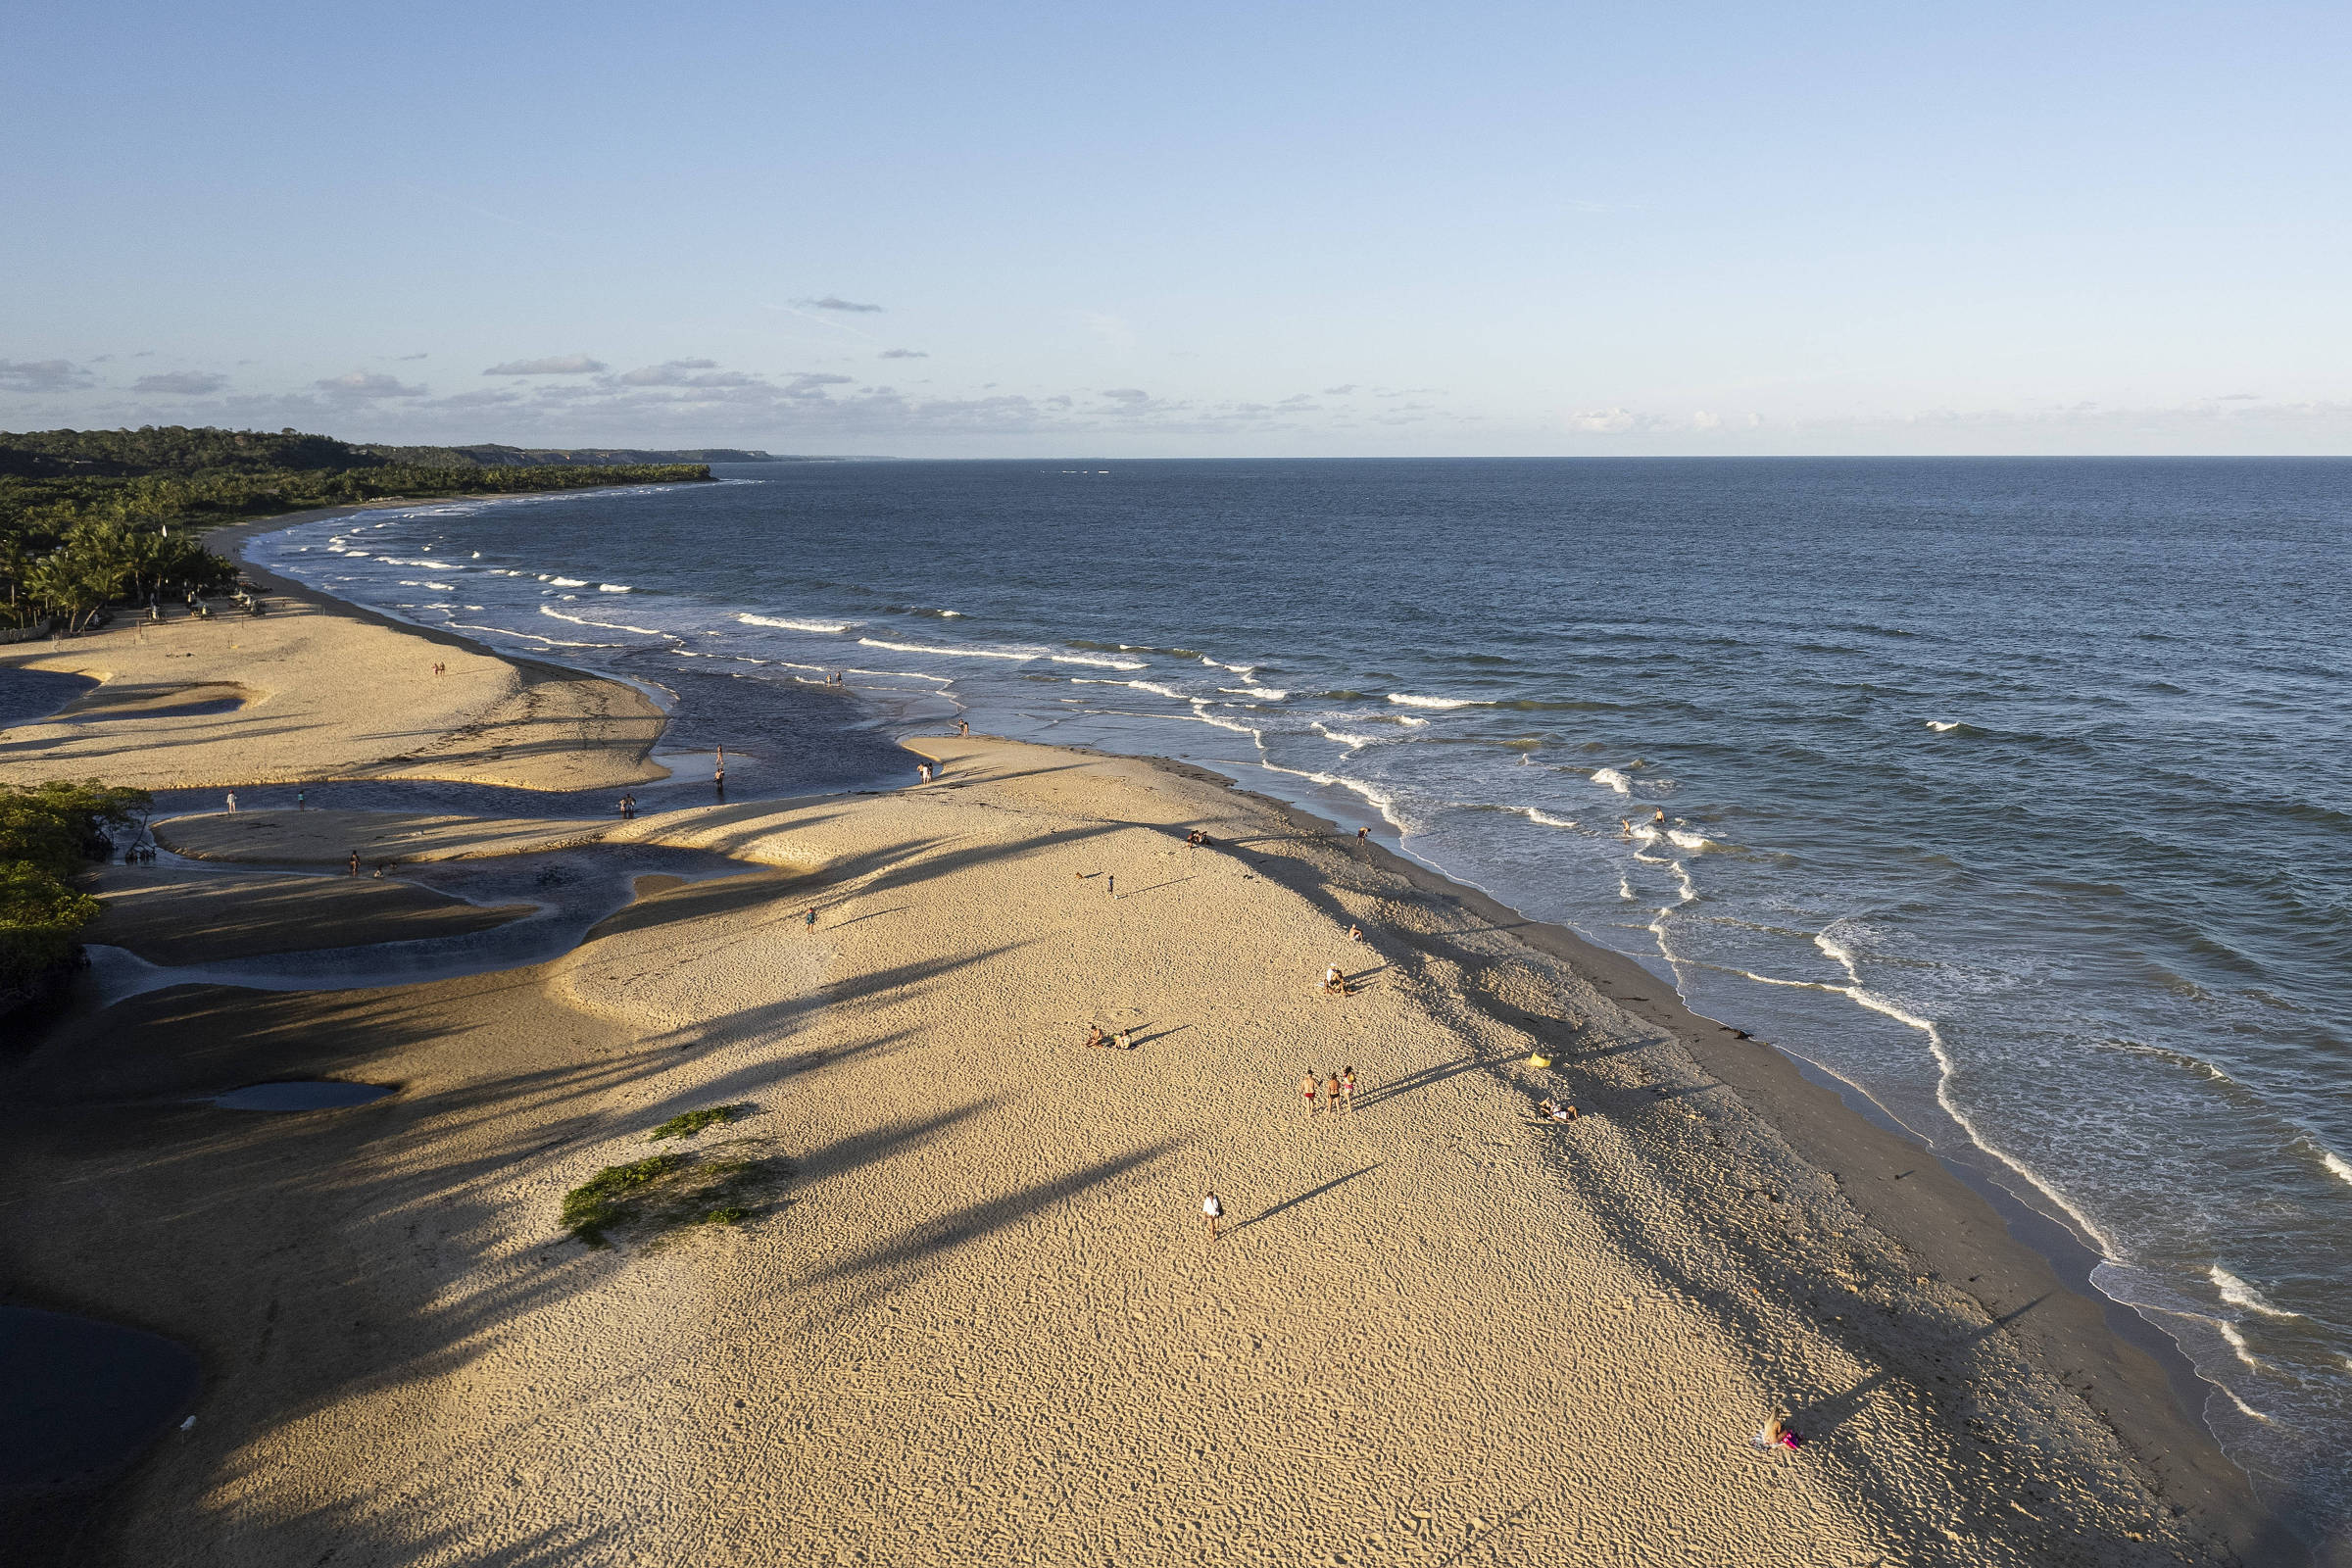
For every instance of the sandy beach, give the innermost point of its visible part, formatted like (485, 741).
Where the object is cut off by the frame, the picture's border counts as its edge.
(975, 1314)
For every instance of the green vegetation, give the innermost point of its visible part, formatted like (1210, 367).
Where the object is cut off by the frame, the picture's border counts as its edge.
(687, 1124)
(47, 831)
(663, 1194)
(88, 516)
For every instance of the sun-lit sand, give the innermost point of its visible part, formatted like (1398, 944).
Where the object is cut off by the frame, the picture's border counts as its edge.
(323, 695)
(982, 1321)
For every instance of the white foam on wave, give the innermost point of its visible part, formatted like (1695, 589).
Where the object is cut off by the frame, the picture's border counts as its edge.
(1263, 694)
(445, 587)
(567, 582)
(614, 588)
(1943, 725)
(2238, 1292)
(1410, 700)
(2337, 1166)
(2237, 1343)
(1219, 663)
(603, 626)
(1158, 689)
(550, 642)
(1625, 887)
(1417, 723)
(950, 653)
(1535, 814)
(1352, 742)
(1945, 1067)
(1372, 797)
(1098, 662)
(1691, 840)
(786, 623)
(1613, 779)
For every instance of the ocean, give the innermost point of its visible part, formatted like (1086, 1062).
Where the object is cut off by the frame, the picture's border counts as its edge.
(2016, 793)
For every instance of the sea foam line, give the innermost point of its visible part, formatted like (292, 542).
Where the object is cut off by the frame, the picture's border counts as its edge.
(1945, 1068)
(1412, 700)
(952, 653)
(1613, 779)
(783, 624)
(2238, 1292)
(605, 625)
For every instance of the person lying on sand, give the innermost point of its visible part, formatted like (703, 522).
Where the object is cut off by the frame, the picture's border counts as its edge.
(1776, 1434)
(1553, 1111)
(1333, 982)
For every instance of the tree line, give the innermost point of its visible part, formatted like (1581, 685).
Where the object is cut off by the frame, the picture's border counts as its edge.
(46, 833)
(88, 517)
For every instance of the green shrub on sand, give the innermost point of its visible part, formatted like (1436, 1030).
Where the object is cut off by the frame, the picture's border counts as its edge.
(664, 1194)
(689, 1123)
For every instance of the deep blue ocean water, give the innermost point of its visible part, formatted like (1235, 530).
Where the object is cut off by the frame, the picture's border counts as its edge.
(2015, 792)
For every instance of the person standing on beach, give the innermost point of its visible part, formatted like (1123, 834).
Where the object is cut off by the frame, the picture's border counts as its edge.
(233, 802)
(718, 774)
(1347, 1091)
(1306, 1088)
(355, 863)
(963, 726)
(1211, 1211)
(808, 921)
(1331, 1094)
(1114, 885)
(301, 799)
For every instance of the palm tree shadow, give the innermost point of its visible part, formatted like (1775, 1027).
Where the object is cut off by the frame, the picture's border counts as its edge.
(1307, 1196)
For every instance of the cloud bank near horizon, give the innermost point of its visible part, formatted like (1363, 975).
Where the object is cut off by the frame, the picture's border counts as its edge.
(577, 399)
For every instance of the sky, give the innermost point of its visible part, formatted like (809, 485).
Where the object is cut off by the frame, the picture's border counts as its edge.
(965, 230)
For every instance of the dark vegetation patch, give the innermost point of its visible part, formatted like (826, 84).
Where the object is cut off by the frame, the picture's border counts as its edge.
(663, 1197)
(47, 833)
(688, 1123)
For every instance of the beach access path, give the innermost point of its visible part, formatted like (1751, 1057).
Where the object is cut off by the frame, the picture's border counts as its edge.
(981, 1320)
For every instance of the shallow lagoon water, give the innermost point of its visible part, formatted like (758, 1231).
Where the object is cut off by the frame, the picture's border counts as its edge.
(80, 1398)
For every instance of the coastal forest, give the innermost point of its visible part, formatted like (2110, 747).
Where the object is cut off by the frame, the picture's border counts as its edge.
(93, 518)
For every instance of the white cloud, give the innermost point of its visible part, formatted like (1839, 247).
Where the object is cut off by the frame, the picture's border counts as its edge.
(181, 383)
(552, 365)
(367, 386)
(43, 375)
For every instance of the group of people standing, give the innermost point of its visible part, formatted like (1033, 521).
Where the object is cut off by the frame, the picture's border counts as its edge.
(1338, 1091)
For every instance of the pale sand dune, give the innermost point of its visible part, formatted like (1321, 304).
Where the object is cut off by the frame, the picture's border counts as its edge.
(325, 695)
(986, 1325)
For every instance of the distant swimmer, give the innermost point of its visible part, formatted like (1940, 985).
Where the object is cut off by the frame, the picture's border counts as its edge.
(1660, 816)
(1625, 827)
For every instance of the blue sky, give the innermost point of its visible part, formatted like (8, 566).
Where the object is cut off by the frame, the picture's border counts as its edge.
(1306, 229)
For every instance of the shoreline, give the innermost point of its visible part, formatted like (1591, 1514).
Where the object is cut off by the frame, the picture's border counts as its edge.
(1934, 1216)
(1951, 1218)
(233, 537)
(1959, 1222)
